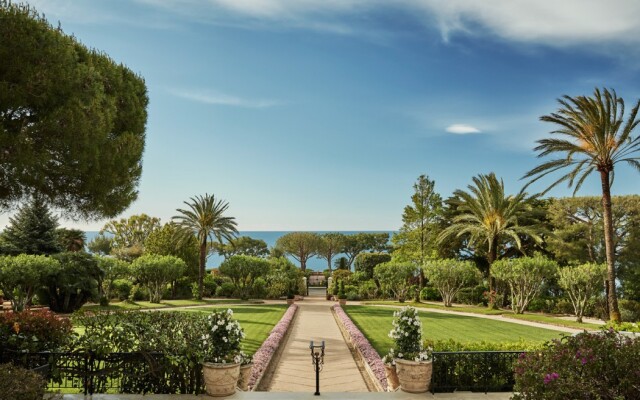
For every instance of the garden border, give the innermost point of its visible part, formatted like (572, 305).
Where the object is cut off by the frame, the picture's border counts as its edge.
(270, 347)
(370, 358)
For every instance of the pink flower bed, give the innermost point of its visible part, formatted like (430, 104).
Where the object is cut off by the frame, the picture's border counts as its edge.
(370, 355)
(262, 357)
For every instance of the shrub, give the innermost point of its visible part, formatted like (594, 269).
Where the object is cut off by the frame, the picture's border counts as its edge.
(33, 331)
(17, 383)
(74, 283)
(368, 289)
(138, 293)
(341, 275)
(430, 293)
(112, 270)
(243, 271)
(22, 275)
(366, 262)
(581, 283)
(452, 345)
(630, 310)
(353, 296)
(525, 277)
(210, 285)
(599, 365)
(563, 307)
(624, 327)
(472, 296)
(449, 276)
(259, 290)
(341, 293)
(541, 305)
(121, 288)
(156, 272)
(225, 290)
(394, 277)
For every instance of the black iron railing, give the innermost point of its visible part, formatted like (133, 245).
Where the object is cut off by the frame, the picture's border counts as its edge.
(91, 373)
(476, 371)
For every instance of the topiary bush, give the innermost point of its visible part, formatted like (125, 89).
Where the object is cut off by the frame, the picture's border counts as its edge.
(601, 365)
(17, 383)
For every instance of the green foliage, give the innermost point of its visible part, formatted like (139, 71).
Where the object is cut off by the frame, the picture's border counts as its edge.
(170, 241)
(21, 276)
(74, 282)
(368, 289)
(121, 289)
(366, 262)
(406, 333)
(227, 289)
(71, 239)
(449, 276)
(394, 277)
(525, 277)
(473, 296)
(330, 245)
(299, 245)
(417, 238)
(454, 345)
(283, 279)
(623, 327)
(341, 293)
(358, 242)
(129, 235)
(66, 112)
(205, 218)
(581, 283)
(155, 272)
(34, 331)
(594, 365)
(112, 270)
(32, 230)
(244, 245)
(430, 293)
(630, 310)
(210, 286)
(101, 245)
(243, 271)
(17, 383)
(342, 263)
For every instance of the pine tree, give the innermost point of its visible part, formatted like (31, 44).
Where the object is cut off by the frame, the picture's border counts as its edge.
(32, 230)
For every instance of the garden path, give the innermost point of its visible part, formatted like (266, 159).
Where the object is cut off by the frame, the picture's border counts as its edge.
(294, 371)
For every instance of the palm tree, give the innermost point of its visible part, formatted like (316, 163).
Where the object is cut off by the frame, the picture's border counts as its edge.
(205, 219)
(71, 239)
(489, 217)
(595, 137)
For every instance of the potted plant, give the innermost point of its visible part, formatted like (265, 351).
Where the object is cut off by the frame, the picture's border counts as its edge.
(334, 289)
(221, 361)
(342, 297)
(246, 364)
(390, 371)
(413, 363)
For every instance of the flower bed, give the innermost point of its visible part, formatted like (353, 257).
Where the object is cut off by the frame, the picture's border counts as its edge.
(262, 357)
(360, 342)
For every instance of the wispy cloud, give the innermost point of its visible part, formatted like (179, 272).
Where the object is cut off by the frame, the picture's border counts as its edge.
(462, 129)
(221, 99)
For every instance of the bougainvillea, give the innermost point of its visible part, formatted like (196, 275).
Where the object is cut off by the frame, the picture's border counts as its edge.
(370, 355)
(262, 357)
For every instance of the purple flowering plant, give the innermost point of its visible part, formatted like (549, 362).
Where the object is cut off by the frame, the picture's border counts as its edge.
(602, 365)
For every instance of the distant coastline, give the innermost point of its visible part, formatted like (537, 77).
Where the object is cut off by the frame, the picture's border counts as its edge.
(270, 237)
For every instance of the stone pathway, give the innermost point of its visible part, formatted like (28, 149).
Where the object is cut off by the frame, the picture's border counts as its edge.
(294, 371)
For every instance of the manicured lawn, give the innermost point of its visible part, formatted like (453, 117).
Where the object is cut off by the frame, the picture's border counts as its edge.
(534, 317)
(138, 305)
(375, 323)
(547, 319)
(257, 321)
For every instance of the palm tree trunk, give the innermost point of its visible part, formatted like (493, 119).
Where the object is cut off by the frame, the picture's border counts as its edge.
(491, 257)
(203, 260)
(614, 312)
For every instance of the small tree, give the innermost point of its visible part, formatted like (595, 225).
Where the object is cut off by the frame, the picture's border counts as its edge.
(130, 234)
(449, 276)
(299, 245)
(112, 269)
(582, 282)
(394, 277)
(21, 276)
(366, 262)
(74, 283)
(243, 271)
(525, 277)
(155, 272)
(101, 245)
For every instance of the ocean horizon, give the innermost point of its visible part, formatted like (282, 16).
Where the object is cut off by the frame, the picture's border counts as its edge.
(270, 237)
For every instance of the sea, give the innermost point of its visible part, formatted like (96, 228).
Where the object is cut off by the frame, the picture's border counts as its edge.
(270, 237)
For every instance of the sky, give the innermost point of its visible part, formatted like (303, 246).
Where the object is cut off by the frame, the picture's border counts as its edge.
(321, 114)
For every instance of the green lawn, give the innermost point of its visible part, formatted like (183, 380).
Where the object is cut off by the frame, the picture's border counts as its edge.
(534, 317)
(257, 321)
(375, 323)
(138, 305)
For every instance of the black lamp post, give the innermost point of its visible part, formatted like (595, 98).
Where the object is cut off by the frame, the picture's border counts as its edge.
(317, 358)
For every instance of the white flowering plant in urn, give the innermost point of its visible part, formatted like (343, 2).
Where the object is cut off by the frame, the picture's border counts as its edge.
(407, 335)
(223, 339)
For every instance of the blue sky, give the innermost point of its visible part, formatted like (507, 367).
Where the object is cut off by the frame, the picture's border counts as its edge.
(320, 114)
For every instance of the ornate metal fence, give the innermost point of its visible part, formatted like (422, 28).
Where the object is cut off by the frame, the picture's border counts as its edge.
(91, 373)
(476, 371)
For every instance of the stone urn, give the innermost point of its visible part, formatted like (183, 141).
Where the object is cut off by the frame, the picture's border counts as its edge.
(392, 377)
(220, 379)
(245, 374)
(414, 377)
